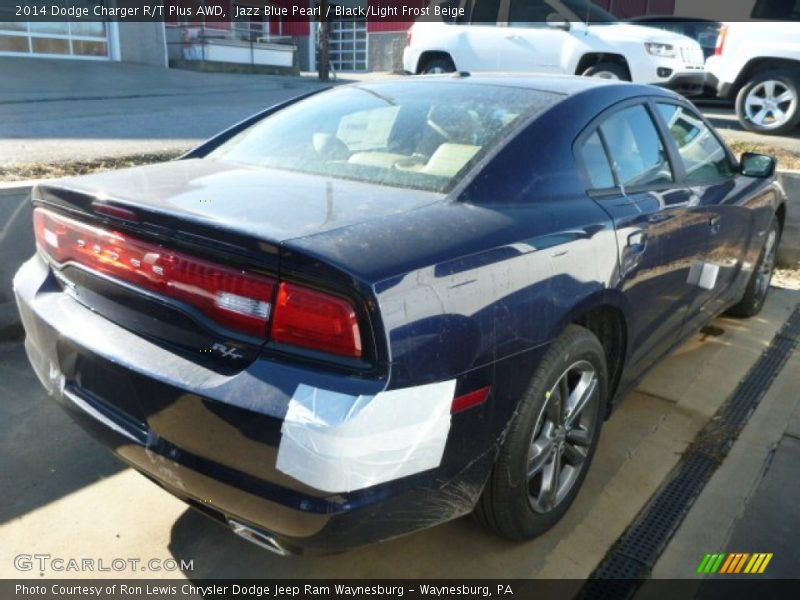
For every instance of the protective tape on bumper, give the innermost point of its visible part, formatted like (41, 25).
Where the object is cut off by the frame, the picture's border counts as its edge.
(340, 443)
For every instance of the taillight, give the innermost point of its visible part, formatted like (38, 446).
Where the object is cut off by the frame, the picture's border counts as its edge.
(721, 39)
(317, 320)
(409, 38)
(236, 299)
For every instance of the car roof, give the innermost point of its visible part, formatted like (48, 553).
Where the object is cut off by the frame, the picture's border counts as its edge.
(564, 85)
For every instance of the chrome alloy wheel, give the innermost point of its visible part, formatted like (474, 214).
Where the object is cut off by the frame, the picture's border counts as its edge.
(764, 276)
(770, 104)
(562, 437)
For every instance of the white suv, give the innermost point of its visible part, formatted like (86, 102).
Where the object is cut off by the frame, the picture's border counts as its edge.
(758, 65)
(553, 36)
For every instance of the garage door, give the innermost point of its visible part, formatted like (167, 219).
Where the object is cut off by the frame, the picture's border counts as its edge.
(87, 40)
(349, 44)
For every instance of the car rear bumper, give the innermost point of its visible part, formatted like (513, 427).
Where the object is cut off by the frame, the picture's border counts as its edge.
(213, 440)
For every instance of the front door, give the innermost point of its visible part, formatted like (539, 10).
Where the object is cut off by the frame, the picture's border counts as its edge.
(718, 204)
(657, 238)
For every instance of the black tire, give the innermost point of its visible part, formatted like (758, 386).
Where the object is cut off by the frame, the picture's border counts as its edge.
(757, 289)
(608, 70)
(437, 65)
(508, 505)
(782, 80)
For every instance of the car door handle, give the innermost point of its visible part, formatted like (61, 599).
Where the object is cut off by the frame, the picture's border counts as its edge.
(513, 36)
(714, 224)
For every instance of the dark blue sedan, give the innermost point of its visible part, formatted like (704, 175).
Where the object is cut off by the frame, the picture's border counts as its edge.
(381, 307)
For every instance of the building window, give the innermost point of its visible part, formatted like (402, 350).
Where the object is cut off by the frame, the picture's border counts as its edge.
(59, 39)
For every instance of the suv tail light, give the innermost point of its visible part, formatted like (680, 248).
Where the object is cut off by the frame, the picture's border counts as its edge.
(314, 319)
(409, 37)
(236, 299)
(721, 39)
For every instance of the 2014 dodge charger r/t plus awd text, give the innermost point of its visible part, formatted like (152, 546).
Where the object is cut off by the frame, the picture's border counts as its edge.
(380, 307)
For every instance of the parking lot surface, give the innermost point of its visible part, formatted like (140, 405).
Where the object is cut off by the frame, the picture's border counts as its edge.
(119, 110)
(72, 499)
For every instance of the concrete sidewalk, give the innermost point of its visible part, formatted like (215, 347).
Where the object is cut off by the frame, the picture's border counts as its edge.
(53, 110)
(750, 504)
(71, 498)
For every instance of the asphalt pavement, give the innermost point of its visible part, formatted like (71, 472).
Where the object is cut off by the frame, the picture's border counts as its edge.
(57, 110)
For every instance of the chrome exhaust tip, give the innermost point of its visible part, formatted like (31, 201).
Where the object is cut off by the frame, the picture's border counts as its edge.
(259, 538)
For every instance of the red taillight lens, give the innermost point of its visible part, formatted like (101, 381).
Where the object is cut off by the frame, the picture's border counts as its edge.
(721, 39)
(313, 319)
(233, 298)
(409, 38)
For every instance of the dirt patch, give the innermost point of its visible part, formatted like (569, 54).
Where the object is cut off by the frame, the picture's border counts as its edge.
(787, 278)
(22, 172)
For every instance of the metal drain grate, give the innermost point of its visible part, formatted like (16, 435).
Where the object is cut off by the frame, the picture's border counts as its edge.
(630, 560)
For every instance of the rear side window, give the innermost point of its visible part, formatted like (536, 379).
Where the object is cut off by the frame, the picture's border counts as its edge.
(485, 11)
(528, 13)
(595, 160)
(637, 154)
(703, 156)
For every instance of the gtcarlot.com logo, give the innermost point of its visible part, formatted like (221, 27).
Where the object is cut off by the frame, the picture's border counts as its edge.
(45, 563)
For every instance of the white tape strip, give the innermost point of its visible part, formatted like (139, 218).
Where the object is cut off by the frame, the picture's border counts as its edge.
(339, 443)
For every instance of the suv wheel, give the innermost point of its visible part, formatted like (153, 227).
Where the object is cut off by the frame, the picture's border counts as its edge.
(437, 65)
(770, 102)
(551, 440)
(607, 70)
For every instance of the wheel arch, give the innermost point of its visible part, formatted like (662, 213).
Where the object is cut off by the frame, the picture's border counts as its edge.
(780, 212)
(605, 315)
(430, 55)
(758, 65)
(593, 58)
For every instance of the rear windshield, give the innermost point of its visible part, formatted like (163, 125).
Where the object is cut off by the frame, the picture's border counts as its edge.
(421, 135)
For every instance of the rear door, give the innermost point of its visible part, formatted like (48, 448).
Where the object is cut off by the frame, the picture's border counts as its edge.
(479, 45)
(528, 43)
(630, 175)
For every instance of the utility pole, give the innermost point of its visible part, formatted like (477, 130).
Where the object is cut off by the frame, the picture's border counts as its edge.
(324, 42)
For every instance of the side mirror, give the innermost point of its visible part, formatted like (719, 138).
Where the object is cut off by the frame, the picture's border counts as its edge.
(557, 21)
(757, 165)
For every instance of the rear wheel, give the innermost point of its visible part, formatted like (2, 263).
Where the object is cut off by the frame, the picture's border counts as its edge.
(770, 102)
(758, 287)
(551, 440)
(607, 70)
(437, 65)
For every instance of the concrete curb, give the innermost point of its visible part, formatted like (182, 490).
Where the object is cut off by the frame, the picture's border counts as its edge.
(17, 241)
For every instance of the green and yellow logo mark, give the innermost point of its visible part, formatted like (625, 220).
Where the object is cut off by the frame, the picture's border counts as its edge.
(735, 562)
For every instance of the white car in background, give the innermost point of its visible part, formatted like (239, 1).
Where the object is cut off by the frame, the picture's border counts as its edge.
(758, 65)
(573, 37)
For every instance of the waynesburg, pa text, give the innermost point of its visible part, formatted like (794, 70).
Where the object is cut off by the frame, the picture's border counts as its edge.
(256, 590)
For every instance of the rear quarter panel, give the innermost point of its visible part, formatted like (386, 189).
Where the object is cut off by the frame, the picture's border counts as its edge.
(476, 286)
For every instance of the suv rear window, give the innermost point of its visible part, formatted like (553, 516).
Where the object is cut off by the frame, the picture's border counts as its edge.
(485, 11)
(422, 135)
(777, 10)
